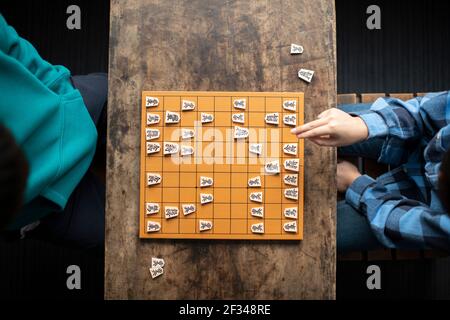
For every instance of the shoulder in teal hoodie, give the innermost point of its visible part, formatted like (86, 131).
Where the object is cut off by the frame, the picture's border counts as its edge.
(50, 122)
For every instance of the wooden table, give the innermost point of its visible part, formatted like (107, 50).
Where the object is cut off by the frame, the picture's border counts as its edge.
(223, 46)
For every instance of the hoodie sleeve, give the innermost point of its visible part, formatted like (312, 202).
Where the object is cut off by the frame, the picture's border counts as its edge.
(15, 47)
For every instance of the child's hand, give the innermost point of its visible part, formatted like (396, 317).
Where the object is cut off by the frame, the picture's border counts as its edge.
(333, 128)
(346, 173)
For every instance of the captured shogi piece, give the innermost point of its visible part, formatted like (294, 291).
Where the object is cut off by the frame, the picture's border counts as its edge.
(221, 165)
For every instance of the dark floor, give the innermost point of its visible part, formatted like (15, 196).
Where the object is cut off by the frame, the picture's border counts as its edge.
(409, 54)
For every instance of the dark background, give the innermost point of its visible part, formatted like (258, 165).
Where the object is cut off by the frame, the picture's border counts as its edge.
(409, 54)
(29, 268)
(43, 23)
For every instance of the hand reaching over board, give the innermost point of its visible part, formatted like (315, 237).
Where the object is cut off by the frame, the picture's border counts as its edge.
(333, 128)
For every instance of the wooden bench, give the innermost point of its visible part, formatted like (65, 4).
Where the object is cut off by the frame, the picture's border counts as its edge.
(374, 169)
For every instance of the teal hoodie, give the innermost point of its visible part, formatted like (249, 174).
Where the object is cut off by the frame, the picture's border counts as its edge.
(50, 122)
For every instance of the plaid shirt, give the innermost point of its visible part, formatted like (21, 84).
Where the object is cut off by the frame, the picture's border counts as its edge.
(402, 205)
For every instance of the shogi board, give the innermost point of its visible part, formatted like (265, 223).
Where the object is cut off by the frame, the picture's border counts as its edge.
(225, 159)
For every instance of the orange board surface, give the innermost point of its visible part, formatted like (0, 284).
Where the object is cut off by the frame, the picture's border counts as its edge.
(248, 169)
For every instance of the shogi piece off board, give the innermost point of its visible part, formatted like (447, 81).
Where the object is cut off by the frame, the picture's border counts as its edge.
(225, 159)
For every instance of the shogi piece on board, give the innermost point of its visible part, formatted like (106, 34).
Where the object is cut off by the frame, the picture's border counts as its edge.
(238, 117)
(205, 225)
(256, 197)
(172, 117)
(206, 181)
(290, 120)
(257, 227)
(151, 102)
(187, 134)
(187, 105)
(290, 179)
(292, 165)
(255, 182)
(255, 148)
(206, 198)
(291, 213)
(153, 179)
(239, 104)
(153, 147)
(240, 132)
(152, 134)
(227, 166)
(291, 193)
(290, 227)
(272, 167)
(206, 117)
(152, 208)
(257, 212)
(153, 226)
(187, 150)
(153, 118)
(290, 105)
(171, 212)
(188, 208)
(273, 118)
(171, 148)
(290, 148)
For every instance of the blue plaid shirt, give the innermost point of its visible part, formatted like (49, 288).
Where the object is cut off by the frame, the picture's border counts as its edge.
(402, 205)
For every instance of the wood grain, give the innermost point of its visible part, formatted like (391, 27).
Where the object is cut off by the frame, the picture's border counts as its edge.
(347, 98)
(402, 96)
(370, 97)
(222, 46)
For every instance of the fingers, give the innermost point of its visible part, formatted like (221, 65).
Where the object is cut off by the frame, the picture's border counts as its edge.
(309, 126)
(315, 133)
(322, 119)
